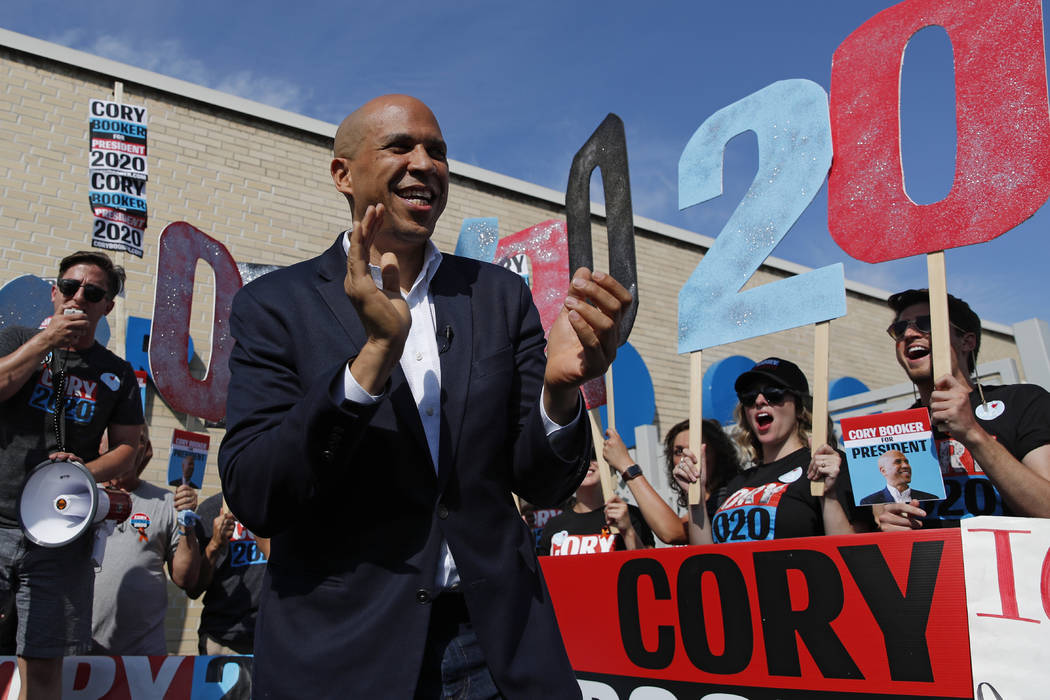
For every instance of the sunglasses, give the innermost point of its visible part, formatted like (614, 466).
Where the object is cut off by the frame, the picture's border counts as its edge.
(919, 323)
(775, 395)
(92, 292)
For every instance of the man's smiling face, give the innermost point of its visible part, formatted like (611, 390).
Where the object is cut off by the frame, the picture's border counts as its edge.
(895, 467)
(914, 347)
(395, 156)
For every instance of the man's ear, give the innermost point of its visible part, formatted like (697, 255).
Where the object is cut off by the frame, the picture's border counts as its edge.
(110, 303)
(341, 176)
(967, 342)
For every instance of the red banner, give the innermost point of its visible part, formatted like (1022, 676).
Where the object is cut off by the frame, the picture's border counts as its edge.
(880, 615)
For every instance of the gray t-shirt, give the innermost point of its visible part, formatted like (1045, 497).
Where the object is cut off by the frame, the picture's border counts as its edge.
(100, 390)
(131, 594)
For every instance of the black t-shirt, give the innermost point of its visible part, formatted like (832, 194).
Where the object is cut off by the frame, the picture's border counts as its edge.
(570, 532)
(1018, 417)
(232, 598)
(100, 390)
(772, 501)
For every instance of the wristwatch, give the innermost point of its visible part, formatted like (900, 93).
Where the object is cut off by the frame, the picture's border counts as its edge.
(630, 472)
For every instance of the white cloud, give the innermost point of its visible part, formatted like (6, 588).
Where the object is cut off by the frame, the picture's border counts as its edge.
(170, 57)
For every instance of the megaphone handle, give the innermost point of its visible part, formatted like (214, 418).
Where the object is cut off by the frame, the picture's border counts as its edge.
(101, 533)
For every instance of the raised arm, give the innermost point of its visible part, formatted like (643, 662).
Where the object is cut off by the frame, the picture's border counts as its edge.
(658, 515)
(1025, 483)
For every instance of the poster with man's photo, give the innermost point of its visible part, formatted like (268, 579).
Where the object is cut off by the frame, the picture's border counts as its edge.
(892, 458)
(189, 454)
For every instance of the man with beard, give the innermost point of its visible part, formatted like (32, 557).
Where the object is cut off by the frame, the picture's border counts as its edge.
(1000, 435)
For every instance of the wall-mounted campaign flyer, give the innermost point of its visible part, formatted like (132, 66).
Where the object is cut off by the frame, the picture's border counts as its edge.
(117, 174)
(189, 454)
(892, 458)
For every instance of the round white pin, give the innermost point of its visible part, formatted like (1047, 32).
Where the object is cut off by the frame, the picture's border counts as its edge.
(990, 410)
(793, 475)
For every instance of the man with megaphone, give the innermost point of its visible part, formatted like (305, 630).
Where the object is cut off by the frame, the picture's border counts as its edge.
(60, 391)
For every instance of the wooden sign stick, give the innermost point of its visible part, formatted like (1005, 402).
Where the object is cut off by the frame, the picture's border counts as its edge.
(610, 408)
(603, 466)
(940, 339)
(696, 417)
(119, 317)
(821, 347)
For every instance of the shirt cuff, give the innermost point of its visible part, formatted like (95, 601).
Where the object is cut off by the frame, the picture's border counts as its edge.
(353, 392)
(558, 434)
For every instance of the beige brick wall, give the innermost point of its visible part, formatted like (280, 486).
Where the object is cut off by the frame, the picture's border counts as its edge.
(263, 190)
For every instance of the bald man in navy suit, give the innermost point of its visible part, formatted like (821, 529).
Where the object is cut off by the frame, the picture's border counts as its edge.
(385, 402)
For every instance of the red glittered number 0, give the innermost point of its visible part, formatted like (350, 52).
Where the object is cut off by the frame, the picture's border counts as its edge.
(1002, 164)
(180, 247)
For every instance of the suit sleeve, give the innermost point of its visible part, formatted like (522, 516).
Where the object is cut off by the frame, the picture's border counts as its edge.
(284, 430)
(542, 475)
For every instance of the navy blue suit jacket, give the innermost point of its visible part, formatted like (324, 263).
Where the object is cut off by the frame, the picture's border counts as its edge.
(349, 495)
(884, 496)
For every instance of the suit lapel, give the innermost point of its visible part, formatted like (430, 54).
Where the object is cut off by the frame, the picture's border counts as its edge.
(332, 271)
(450, 292)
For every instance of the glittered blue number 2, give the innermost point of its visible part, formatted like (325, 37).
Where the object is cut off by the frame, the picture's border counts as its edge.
(790, 119)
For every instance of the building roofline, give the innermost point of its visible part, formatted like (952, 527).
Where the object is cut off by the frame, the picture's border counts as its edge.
(123, 72)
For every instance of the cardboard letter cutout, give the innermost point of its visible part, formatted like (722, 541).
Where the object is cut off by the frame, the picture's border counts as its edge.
(790, 118)
(180, 246)
(1002, 160)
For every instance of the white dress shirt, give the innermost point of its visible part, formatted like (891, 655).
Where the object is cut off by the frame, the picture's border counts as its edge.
(422, 368)
(900, 496)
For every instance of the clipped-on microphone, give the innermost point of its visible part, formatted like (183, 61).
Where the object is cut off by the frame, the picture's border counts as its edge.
(445, 339)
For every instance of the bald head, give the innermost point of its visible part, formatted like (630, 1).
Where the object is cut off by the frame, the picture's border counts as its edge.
(895, 467)
(355, 126)
(390, 152)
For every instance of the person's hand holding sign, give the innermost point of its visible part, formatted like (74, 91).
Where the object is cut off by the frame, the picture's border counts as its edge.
(688, 470)
(583, 340)
(825, 465)
(950, 410)
(894, 517)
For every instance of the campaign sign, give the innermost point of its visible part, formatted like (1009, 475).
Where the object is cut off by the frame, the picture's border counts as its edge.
(132, 677)
(118, 139)
(189, 454)
(873, 615)
(111, 235)
(1007, 562)
(891, 453)
(117, 175)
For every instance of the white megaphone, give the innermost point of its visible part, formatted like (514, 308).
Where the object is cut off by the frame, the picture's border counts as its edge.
(61, 501)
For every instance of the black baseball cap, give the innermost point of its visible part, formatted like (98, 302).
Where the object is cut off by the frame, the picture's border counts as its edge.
(780, 372)
(959, 312)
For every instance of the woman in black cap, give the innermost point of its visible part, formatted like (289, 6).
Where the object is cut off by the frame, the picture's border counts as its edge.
(771, 500)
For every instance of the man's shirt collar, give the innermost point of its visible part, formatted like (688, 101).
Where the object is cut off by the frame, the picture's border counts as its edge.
(431, 261)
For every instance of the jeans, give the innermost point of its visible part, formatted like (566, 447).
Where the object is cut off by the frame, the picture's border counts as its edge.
(453, 664)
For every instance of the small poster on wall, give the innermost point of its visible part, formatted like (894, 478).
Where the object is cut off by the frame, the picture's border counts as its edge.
(117, 173)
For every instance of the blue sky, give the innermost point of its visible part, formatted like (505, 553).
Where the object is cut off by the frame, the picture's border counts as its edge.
(519, 88)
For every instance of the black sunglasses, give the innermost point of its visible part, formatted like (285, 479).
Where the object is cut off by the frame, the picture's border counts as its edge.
(774, 395)
(919, 323)
(92, 292)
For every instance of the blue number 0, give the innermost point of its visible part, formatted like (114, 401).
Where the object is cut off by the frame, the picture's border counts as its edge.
(790, 118)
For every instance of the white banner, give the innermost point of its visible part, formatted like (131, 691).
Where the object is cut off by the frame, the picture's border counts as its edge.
(1007, 570)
